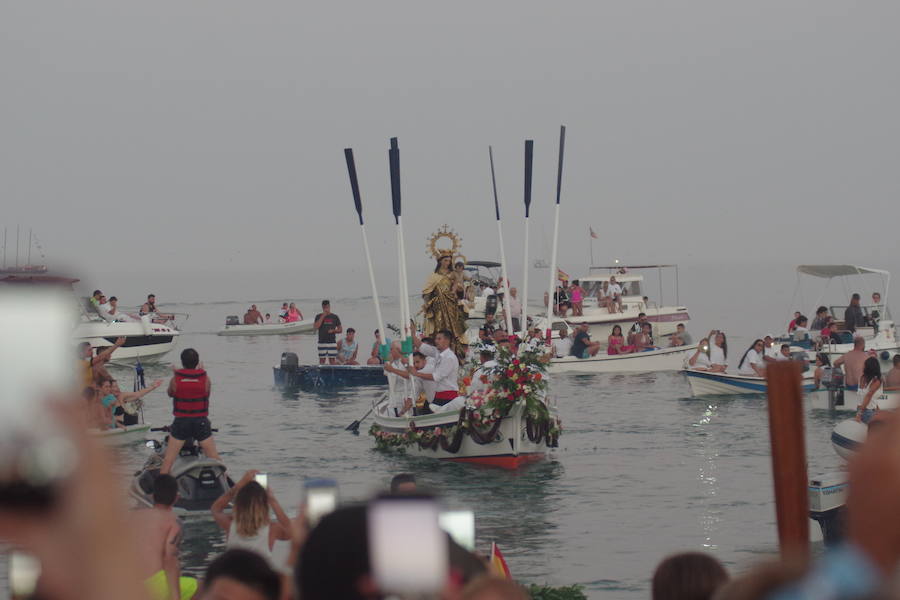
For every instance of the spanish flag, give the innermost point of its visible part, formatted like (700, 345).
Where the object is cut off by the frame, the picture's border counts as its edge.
(497, 563)
(563, 276)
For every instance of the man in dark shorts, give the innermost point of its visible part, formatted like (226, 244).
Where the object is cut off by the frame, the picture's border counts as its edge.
(189, 389)
(328, 325)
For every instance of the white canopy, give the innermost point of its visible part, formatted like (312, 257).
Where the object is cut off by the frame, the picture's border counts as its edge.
(829, 271)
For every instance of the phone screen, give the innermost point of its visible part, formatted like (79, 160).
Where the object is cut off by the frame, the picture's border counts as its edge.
(24, 571)
(262, 479)
(460, 524)
(407, 548)
(320, 498)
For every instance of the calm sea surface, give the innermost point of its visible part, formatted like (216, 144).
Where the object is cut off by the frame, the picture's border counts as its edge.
(642, 470)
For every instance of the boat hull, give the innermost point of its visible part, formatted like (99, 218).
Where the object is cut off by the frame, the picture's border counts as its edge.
(328, 376)
(131, 434)
(145, 341)
(664, 359)
(510, 448)
(269, 328)
(821, 400)
(705, 383)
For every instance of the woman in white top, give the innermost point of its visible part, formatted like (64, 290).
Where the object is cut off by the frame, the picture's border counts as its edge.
(869, 383)
(752, 362)
(700, 359)
(718, 351)
(248, 526)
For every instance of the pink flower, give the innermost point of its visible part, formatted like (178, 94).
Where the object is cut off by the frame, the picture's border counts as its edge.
(438, 431)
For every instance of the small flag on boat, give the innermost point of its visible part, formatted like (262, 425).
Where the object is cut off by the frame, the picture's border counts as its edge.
(562, 275)
(497, 563)
(593, 235)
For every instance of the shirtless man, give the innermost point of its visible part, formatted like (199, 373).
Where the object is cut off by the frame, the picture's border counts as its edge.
(160, 533)
(253, 316)
(892, 379)
(853, 363)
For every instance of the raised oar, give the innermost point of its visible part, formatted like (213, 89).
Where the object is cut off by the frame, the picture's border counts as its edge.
(789, 457)
(553, 271)
(529, 159)
(506, 300)
(394, 161)
(384, 349)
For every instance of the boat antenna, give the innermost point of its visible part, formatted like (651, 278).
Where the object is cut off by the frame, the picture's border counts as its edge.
(4, 247)
(529, 159)
(17, 246)
(384, 350)
(554, 275)
(506, 298)
(29, 247)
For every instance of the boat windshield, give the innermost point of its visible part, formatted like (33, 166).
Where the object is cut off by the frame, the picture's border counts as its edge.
(629, 288)
(868, 310)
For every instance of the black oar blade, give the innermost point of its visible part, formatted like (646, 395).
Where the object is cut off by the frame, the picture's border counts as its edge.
(562, 147)
(494, 182)
(354, 182)
(529, 159)
(394, 160)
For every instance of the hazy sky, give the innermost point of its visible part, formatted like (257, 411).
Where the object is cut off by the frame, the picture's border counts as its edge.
(204, 139)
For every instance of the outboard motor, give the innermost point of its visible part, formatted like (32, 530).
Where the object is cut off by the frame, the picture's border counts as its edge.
(232, 320)
(289, 361)
(490, 305)
(835, 386)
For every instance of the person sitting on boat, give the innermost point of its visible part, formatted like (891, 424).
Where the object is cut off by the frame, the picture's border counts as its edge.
(853, 362)
(95, 300)
(446, 372)
(293, 315)
(770, 350)
(114, 311)
(822, 374)
(892, 379)
(398, 375)
(615, 343)
(563, 346)
(347, 348)
(784, 353)
(718, 351)
(582, 346)
(875, 313)
(638, 325)
(108, 403)
(801, 331)
(189, 389)
(869, 383)
(88, 361)
(675, 341)
(375, 355)
(752, 363)
(821, 319)
(283, 313)
(253, 316)
(853, 315)
(643, 341)
(148, 307)
(127, 402)
(699, 361)
(614, 291)
(793, 324)
(683, 334)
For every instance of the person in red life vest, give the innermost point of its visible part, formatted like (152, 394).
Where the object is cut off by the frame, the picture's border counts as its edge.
(189, 389)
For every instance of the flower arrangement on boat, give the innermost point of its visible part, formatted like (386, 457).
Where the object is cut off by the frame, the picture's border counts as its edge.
(513, 379)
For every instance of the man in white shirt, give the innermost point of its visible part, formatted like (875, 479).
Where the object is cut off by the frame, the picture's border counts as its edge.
(771, 351)
(614, 292)
(401, 387)
(515, 308)
(784, 352)
(445, 375)
(488, 291)
(563, 346)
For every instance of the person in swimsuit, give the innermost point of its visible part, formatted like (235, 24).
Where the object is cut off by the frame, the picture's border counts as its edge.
(869, 384)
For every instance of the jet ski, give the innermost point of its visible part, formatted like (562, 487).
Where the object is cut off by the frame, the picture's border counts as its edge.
(201, 480)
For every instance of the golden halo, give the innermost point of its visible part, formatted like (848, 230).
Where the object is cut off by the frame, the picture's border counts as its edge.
(444, 232)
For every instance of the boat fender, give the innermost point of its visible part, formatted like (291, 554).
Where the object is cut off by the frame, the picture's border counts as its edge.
(885, 355)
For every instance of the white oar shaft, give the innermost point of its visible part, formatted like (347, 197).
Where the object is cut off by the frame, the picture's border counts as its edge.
(503, 273)
(553, 272)
(404, 282)
(375, 300)
(524, 320)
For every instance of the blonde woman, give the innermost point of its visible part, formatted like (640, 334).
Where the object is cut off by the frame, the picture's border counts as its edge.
(248, 526)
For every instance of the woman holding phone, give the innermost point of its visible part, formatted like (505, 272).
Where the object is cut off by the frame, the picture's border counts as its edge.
(249, 526)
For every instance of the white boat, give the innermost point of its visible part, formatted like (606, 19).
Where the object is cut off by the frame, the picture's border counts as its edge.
(847, 401)
(303, 326)
(880, 336)
(130, 434)
(147, 338)
(663, 359)
(708, 383)
(663, 319)
(510, 443)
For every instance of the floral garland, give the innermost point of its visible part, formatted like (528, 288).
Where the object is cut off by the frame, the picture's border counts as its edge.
(496, 388)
